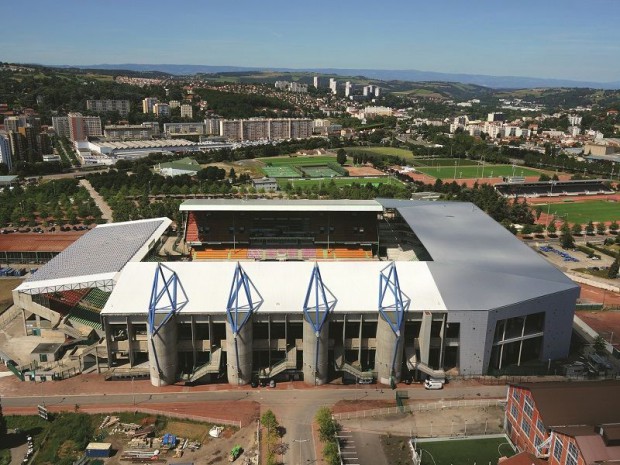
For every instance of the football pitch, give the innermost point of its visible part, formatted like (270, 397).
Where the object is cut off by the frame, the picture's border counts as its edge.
(318, 171)
(583, 212)
(298, 161)
(340, 182)
(393, 151)
(430, 162)
(464, 452)
(470, 172)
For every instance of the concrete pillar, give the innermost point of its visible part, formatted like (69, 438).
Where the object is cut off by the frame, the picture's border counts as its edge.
(425, 337)
(316, 373)
(130, 340)
(163, 355)
(242, 354)
(386, 344)
(108, 340)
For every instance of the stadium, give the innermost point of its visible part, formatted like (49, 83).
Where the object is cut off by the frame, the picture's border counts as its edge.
(317, 290)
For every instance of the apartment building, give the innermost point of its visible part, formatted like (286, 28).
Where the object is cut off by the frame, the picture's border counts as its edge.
(148, 104)
(187, 111)
(143, 131)
(123, 107)
(161, 109)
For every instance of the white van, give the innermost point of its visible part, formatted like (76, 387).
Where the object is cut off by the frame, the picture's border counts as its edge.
(433, 384)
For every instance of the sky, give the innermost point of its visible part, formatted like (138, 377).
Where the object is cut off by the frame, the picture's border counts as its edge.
(566, 39)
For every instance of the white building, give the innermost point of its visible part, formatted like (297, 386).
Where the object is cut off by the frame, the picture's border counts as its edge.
(187, 111)
(161, 109)
(333, 85)
(5, 151)
(148, 104)
(101, 106)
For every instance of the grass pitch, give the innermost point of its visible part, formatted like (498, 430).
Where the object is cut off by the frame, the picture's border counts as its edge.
(583, 212)
(464, 452)
(393, 151)
(470, 172)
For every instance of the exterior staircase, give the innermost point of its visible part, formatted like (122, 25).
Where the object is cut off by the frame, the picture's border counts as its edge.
(289, 363)
(414, 364)
(342, 365)
(212, 367)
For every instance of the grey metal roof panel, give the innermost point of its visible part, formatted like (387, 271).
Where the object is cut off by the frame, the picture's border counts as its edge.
(104, 249)
(472, 288)
(461, 233)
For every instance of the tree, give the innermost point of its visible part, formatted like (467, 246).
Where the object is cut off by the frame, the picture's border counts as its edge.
(341, 156)
(590, 228)
(327, 426)
(577, 228)
(566, 238)
(599, 345)
(4, 169)
(551, 229)
(612, 273)
(600, 228)
(613, 227)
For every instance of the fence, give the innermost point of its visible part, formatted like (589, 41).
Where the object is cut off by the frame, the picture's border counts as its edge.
(419, 408)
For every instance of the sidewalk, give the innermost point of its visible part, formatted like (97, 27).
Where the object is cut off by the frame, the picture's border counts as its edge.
(106, 211)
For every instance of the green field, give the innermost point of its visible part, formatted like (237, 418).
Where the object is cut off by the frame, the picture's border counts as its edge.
(464, 452)
(281, 172)
(393, 151)
(583, 212)
(443, 162)
(340, 182)
(467, 172)
(299, 160)
(319, 171)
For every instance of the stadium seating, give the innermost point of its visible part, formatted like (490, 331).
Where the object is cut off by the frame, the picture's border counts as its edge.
(549, 189)
(192, 229)
(86, 317)
(96, 299)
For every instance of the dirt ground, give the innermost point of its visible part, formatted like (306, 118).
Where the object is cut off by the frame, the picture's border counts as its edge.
(606, 323)
(437, 422)
(364, 171)
(214, 451)
(343, 406)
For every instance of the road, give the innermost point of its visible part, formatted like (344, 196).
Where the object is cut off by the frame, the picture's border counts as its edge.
(294, 408)
(106, 211)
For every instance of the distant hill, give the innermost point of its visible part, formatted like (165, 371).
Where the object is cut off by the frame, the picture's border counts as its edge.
(411, 75)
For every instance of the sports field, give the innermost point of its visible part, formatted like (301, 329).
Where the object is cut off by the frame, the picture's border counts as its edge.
(469, 172)
(464, 452)
(444, 162)
(281, 172)
(583, 212)
(298, 161)
(340, 182)
(318, 171)
(394, 151)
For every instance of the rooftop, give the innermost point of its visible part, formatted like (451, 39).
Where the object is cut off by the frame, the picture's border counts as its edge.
(281, 205)
(102, 252)
(582, 404)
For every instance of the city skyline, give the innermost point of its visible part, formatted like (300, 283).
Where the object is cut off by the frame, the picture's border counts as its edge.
(534, 39)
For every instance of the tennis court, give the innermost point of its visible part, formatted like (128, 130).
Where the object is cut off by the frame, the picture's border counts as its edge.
(299, 160)
(281, 172)
(318, 171)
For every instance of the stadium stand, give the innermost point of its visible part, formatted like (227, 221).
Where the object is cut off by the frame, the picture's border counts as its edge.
(554, 188)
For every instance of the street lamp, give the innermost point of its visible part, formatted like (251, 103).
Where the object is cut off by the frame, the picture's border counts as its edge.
(549, 203)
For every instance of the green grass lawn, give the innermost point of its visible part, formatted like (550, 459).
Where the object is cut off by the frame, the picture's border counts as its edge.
(444, 162)
(318, 171)
(343, 181)
(583, 212)
(283, 171)
(394, 151)
(464, 452)
(299, 160)
(464, 171)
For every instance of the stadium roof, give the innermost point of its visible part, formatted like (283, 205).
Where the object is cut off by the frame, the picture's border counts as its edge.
(4, 180)
(471, 251)
(283, 285)
(281, 205)
(98, 256)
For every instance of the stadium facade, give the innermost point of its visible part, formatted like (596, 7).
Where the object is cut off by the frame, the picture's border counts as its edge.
(317, 290)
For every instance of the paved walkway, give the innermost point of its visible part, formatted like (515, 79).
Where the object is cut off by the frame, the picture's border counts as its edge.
(106, 211)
